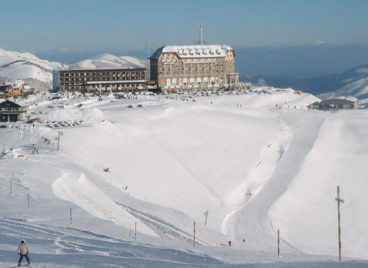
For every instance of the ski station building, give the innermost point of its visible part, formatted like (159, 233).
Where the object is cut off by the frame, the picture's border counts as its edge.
(343, 103)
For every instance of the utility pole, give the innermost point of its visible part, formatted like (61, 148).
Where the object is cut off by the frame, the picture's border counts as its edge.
(148, 75)
(28, 201)
(339, 200)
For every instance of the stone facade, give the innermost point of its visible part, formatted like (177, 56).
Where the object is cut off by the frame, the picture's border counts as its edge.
(199, 67)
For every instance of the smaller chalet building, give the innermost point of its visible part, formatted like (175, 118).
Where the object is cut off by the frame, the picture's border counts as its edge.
(11, 111)
(335, 104)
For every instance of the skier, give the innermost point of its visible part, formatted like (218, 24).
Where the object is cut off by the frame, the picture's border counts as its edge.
(23, 252)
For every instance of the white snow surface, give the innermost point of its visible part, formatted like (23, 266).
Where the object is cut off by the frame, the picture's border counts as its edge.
(257, 161)
(15, 65)
(108, 61)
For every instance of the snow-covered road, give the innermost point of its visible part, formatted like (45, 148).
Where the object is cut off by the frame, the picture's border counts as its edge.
(251, 222)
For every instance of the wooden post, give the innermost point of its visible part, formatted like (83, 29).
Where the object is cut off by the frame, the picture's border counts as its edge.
(135, 231)
(206, 215)
(58, 140)
(11, 187)
(70, 216)
(28, 201)
(194, 235)
(339, 200)
(278, 243)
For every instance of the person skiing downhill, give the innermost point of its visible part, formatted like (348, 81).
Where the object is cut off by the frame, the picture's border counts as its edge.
(23, 252)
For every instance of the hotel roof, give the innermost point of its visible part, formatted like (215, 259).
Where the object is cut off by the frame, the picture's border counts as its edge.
(194, 51)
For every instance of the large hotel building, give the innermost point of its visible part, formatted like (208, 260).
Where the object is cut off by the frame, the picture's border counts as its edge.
(180, 68)
(131, 79)
(195, 67)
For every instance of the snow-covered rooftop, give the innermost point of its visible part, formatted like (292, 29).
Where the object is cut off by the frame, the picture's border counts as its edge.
(349, 98)
(194, 51)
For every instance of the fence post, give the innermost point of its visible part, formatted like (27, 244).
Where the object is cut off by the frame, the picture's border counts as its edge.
(194, 235)
(135, 231)
(70, 216)
(206, 216)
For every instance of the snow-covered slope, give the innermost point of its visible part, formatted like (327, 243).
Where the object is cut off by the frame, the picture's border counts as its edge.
(338, 157)
(15, 65)
(256, 162)
(351, 83)
(106, 61)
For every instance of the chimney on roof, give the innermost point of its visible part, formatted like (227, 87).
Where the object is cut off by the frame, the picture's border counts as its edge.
(201, 34)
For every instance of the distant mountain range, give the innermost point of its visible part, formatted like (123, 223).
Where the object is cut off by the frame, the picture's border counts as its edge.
(353, 82)
(39, 73)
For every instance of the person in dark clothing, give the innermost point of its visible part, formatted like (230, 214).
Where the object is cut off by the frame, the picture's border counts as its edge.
(23, 252)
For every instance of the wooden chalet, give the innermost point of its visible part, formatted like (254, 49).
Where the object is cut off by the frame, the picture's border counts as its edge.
(11, 111)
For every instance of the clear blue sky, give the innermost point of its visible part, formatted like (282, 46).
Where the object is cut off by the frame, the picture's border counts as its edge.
(52, 27)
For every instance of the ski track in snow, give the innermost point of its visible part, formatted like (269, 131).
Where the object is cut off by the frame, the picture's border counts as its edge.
(251, 221)
(78, 249)
(54, 247)
(162, 228)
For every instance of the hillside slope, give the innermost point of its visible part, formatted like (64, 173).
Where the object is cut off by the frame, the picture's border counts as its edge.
(28, 67)
(353, 82)
(255, 162)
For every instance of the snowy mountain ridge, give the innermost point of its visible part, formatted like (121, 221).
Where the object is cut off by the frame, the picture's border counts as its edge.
(108, 61)
(39, 73)
(26, 66)
(353, 82)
